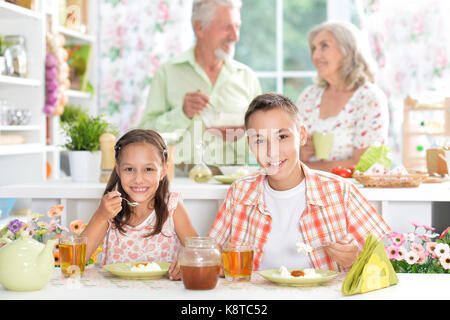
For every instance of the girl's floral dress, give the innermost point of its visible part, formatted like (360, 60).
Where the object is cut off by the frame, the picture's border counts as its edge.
(363, 121)
(133, 246)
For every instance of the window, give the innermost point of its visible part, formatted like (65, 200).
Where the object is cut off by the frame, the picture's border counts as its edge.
(274, 41)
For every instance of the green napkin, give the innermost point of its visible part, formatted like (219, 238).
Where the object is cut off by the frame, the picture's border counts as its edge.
(372, 270)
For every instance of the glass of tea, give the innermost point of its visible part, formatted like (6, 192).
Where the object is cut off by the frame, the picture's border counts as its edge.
(72, 254)
(237, 260)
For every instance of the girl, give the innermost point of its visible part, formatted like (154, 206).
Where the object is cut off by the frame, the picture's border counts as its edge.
(155, 229)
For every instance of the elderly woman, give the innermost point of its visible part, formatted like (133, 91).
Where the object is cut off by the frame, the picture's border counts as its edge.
(344, 100)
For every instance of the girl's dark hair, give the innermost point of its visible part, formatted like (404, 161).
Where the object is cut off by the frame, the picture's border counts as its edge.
(269, 101)
(123, 217)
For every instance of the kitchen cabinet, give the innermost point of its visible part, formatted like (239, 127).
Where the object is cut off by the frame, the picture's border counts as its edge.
(27, 162)
(424, 125)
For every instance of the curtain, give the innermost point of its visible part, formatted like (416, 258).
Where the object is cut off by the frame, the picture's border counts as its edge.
(135, 37)
(410, 40)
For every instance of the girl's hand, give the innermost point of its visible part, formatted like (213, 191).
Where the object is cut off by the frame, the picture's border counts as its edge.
(345, 251)
(174, 271)
(111, 205)
(307, 150)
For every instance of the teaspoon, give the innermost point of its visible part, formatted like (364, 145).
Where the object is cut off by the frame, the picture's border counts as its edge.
(132, 204)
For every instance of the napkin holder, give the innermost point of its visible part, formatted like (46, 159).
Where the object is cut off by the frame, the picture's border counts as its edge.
(371, 271)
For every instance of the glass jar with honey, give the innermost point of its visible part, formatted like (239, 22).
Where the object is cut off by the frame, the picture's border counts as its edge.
(200, 263)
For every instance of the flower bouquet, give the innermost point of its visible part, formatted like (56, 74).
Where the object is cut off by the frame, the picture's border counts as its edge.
(42, 231)
(421, 251)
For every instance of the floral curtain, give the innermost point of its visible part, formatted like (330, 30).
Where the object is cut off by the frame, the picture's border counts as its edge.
(136, 36)
(410, 40)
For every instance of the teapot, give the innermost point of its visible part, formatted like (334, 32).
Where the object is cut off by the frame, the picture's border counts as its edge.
(26, 264)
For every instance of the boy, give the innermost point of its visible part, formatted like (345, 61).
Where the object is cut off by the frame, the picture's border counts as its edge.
(288, 203)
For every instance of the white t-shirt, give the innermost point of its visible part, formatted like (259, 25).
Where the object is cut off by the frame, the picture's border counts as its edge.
(285, 208)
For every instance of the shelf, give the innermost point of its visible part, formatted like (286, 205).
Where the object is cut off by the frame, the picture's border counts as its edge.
(426, 133)
(78, 94)
(19, 81)
(9, 11)
(75, 35)
(20, 128)
(52, 148)
(16, 149)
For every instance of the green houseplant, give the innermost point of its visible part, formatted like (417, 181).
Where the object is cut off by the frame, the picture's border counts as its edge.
(83, 133)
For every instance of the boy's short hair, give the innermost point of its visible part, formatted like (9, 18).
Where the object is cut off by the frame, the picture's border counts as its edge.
(269, 101)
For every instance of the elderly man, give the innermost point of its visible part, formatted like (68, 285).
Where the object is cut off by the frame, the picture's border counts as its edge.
(202, 95)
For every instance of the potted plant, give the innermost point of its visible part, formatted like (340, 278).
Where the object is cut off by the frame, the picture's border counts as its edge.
(83, 145)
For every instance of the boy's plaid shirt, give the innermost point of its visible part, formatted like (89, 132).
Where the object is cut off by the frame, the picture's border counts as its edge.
(334, 208)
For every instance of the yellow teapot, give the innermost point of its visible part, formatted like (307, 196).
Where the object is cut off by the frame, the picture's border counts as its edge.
(26, 264)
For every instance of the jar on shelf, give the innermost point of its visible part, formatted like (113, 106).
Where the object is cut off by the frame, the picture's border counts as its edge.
(200, 262)
(16, 57)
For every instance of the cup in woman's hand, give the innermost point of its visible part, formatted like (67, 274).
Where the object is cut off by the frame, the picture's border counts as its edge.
(323, 141)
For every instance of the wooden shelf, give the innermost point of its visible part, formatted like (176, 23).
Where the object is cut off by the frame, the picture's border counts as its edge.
(9, 11)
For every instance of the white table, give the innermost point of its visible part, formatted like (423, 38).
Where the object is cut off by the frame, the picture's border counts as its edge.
(398, 206)
(97, 283)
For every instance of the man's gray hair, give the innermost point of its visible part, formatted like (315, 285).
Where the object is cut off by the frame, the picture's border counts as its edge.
(205, 10)
(357, 66)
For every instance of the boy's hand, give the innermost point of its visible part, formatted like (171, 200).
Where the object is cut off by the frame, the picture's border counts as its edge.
(111, 204)
(344, 251)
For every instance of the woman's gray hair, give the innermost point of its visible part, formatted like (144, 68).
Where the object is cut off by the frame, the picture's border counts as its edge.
(205, 10)
(357, 67)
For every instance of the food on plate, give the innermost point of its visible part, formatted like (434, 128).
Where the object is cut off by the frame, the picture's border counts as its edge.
(374, 154)
(151, 266)
(297, 273)
(303, 247)
(283, 272)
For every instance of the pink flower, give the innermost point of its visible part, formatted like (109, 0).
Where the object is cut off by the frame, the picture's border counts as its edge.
(392, 252)
(416, 224)
(426, 239)
(417, 248)
(429, 228)
(422, 259)
(397, 238)
(430, 249)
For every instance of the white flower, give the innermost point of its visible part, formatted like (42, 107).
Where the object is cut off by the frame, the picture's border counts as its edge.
(445, 261)
(412, 257)
(441, 249)
(401, 253)
(410, 236)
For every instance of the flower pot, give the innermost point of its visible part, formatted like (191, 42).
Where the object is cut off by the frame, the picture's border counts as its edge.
(85, 166)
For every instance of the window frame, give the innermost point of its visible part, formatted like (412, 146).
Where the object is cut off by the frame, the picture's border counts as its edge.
(336, 10)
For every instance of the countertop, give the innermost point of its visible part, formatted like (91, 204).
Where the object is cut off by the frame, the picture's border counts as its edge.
(66, 189)
(97, 283)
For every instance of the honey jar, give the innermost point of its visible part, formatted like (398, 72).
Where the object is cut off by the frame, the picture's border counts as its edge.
(200, 262)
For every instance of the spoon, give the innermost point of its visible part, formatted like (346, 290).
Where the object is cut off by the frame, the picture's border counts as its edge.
(132, 204)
